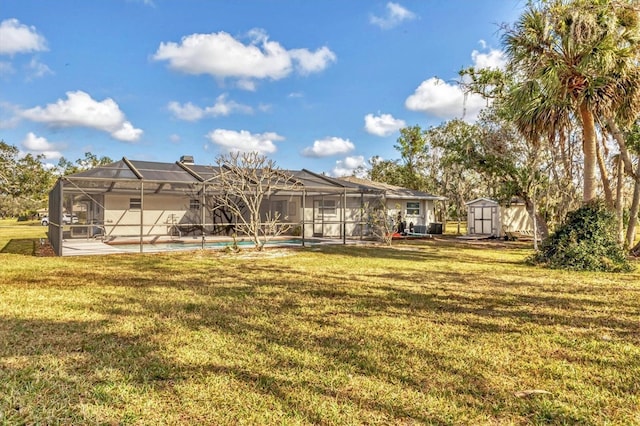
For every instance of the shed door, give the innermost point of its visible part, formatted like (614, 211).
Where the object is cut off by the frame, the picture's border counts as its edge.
(482, 220)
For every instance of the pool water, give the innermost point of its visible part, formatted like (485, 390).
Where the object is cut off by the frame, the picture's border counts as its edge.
(195, 245)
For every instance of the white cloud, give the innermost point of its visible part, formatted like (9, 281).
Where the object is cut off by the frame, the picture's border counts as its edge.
(311, 62)
(80, 110)
(127, 133)
(175, 138)
(36, 143)
(222, 56)
(9, 115)
(222, 107)
(383, 124)
(37, 69)
(19, 38)
(187, 112)
(347, 166)
(248, 85)
(328, 146)
(40, 145)
(396, 14)
(244, 141)
(494, 58)
(443, 100)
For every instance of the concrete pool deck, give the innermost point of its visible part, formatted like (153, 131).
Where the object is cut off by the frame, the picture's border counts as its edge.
(88, 247)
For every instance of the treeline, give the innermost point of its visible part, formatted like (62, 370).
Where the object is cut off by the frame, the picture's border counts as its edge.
(562, 124)
(26, 179)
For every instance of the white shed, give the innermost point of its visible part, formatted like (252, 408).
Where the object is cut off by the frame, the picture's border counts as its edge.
(483, 217)
(487, 217)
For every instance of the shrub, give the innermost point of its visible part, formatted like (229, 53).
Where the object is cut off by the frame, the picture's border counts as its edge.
(586, 241)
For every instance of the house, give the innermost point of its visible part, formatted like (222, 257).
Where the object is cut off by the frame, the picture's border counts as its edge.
(486, 217)
(150, 200)
(414, 208)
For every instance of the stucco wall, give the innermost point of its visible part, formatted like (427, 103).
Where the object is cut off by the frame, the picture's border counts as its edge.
(424, 217)
(160, 211)
(515, 218)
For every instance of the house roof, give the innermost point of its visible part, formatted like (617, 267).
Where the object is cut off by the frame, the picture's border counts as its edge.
(127, 174)
(145, 170)
(391, 190)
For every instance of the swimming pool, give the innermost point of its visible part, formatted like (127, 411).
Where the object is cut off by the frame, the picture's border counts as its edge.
(196, 245)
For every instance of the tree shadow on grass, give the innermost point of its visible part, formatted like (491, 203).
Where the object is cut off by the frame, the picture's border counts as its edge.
(285, 334)
(362, 352)
(418, 253)
(512, 298)
(50, 369)
(23, 246)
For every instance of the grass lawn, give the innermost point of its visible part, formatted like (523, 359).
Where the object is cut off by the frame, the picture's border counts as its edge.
(20, 237)
(431, 332)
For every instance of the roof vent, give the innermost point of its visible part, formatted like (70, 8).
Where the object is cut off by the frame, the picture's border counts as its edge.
(187, 159)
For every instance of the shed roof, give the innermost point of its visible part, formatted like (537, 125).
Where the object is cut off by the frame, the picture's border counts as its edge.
(512, 202)
(477, 200)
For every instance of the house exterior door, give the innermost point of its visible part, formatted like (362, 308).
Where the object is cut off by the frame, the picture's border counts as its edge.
(318, 218)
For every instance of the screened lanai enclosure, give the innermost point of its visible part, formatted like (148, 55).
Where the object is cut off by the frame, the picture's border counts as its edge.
(145, 202)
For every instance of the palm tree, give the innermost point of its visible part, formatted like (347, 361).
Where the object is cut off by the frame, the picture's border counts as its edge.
(575, 59)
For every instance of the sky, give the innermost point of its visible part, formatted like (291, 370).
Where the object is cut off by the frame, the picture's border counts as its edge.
(322, 85)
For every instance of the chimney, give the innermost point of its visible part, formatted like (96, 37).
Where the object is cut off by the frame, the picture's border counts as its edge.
(187, 159)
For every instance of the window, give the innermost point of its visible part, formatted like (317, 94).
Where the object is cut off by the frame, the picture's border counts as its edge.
(194, 204)
(293, 208)
(279, 207)
(413, 208)
(135, 203)
(328, 207)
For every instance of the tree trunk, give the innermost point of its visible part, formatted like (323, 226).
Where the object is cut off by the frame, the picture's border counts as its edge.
(604, 176)
(633, 215)
(535, 226)
(628, 168)
(619, 200)
(589, 148)
(624, 152)
(542, 228)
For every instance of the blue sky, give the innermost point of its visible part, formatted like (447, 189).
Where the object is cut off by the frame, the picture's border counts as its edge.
(323, 85)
